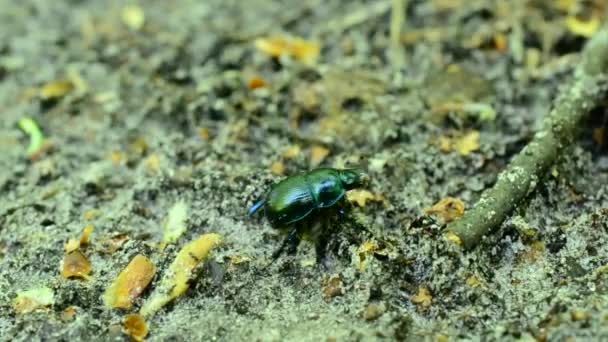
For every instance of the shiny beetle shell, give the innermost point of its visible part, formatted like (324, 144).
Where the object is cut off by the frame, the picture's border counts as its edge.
(296, 197)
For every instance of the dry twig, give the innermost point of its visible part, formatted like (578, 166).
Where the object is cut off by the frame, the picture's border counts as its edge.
(585, 92)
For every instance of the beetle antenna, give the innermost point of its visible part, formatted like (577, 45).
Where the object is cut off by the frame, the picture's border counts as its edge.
(256, 207)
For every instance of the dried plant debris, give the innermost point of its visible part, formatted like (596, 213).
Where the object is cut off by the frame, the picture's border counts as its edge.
(423, 298)
(74, 244)
(56, 89)
(133, 17)
(448, 209)
(76, 266)
(304, 51)
(175, 224)
(33, 299)
(177, 278)
(130, 283)
(135, 326)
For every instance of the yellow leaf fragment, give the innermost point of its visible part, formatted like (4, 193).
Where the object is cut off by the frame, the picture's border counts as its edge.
(318, 154)
(579, 315)
(474, 281)
(277, 168)
(360, 196)
(153, 163)
(204, 133)
(423, 298)
(581, 27)
(33, 299)
(139, 147)
(56, 89)
(71, 245)
(176, 280)
(118, 158)
(76, 265)
(91, 214)
(300, 49)
(467, 143)
(130, 283)
(239, 259)
(79, 84)
(135, 326)
(448, 209)
(86, 234)
(74, 244)
(454, 238)
(445, 144)
(365, 251)
(133, 17)
(112, 244)
(175, 223)
(292, 152)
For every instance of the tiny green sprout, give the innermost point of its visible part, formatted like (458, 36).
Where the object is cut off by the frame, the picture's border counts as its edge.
(29, 126)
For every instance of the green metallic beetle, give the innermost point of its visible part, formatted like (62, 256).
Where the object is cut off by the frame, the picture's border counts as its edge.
(298, 197)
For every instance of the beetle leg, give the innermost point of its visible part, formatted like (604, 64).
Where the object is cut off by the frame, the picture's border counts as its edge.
(291, 242)
(341, 214)
(321, 249)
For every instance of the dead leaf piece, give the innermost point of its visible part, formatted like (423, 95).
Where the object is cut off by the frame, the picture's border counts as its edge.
(117, 158)
(302, 50)
(74, 244)
(55, 89)
(256, 83)
(91, 214)
(360, 197)
(34, 299)
(135, 326)
(71, 245)
(468, 143)
(582, 27)
(176, 222)
(153, 163)
(445, 144)
(76, 265)
(112, 244)
(86, 233)
(292, 152)
(133, 17)
(448, 209)
(277, 168)
(130, 283)
(365, 251)
(204, 133)
(454, 238)
(423, 298)
(317, 155)
(177, 279)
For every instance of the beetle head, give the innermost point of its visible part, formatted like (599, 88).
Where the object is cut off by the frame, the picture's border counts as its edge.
(353, 178)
